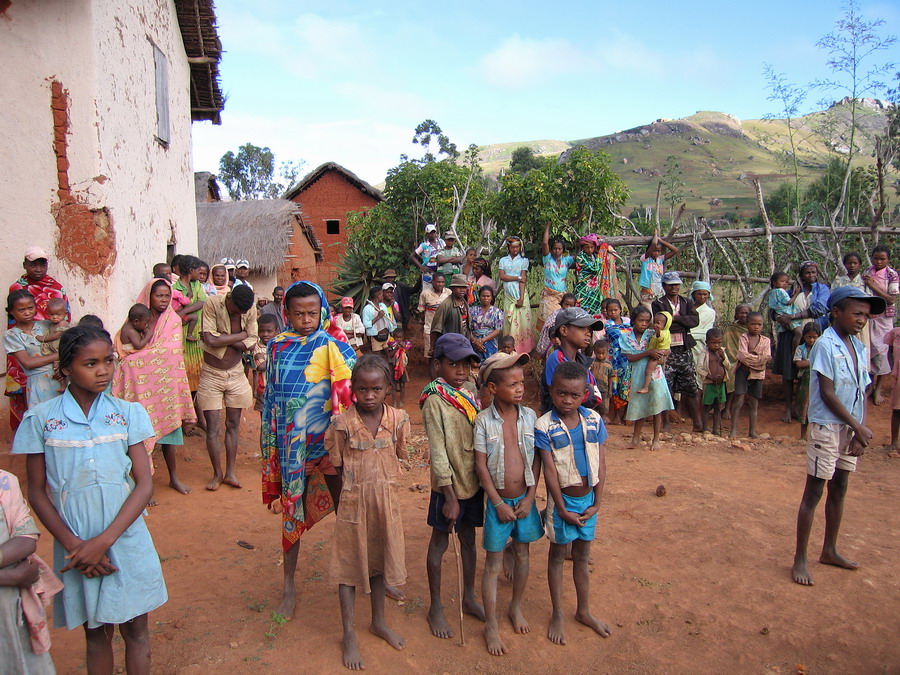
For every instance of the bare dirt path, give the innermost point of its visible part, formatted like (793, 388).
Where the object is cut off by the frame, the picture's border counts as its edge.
(696, 581)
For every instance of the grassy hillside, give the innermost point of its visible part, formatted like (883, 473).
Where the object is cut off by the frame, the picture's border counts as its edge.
(719, 154)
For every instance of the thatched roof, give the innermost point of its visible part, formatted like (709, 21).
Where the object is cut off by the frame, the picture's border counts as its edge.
(319, 171)
(259, 230)
(206, 187)
(197, 20)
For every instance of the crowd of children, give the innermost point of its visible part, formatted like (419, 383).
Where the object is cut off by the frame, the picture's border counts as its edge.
(93, 408)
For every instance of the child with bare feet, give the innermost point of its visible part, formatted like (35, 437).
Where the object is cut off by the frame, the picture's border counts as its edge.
(713, 368)
(811, 333)
(837, 422)
(449, 407)
(661, 342)
(754, 352)
(58, 317)
(633, 344)
(731, 339)
(366, 445)
(570, 438)
(307, 383)
(508, 471)
(134, 334)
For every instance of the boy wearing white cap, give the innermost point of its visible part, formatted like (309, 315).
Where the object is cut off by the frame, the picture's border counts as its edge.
(425, 255)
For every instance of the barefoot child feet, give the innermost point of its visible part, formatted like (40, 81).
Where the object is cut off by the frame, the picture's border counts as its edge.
(570, 438)
(449, 407)
(111, 509)
(508, 470)
(301, 453)
(838, 434)
(366, 443)
(754, 352)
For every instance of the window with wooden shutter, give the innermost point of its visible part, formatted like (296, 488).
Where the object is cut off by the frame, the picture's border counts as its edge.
(161, 67)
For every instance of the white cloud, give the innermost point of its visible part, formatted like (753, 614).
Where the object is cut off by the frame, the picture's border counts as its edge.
(520, 62)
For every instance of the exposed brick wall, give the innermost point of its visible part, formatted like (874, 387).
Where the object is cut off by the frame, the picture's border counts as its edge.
(302, 257)
(331, 197)
(86, 236)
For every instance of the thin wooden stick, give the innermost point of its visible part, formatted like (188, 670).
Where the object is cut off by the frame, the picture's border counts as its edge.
(459, 582)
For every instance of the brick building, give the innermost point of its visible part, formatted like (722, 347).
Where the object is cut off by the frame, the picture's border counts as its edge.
(327, 195)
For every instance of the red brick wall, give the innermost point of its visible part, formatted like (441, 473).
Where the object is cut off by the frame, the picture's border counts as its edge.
(301, 256)
(331, 197)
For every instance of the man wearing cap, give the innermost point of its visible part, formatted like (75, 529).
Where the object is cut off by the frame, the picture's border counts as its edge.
(452, 315)
(276, 307)
(839, 375)
(44, 288)
(393, 309)
(241, 272)
(450, 258)
(574, 327)
(680, 373)
(402, 294)
(228, 263)
(425, 255)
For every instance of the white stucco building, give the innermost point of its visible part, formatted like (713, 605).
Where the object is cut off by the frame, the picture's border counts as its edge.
(96, 104)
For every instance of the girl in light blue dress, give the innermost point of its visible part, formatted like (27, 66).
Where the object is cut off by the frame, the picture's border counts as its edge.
(22, 343)
(88, 482)
(633, 344)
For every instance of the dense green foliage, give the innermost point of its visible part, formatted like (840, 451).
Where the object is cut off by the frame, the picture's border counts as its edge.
(250, 174)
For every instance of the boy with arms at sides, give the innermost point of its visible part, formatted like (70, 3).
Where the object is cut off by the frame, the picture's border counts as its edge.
(429, 300)
(731, 339)
(713, 367)
(449, 407)
(754, 352)
(570, 438)
(839, 375)
(573, 327)
(508, 471)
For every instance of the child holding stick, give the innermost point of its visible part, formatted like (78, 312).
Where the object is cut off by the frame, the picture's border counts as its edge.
(449, 407)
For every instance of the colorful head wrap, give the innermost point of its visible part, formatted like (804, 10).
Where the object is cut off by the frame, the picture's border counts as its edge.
(590, 239)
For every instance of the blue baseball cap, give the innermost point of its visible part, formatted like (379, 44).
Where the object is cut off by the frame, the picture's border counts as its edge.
(455, 347)
(876, 305)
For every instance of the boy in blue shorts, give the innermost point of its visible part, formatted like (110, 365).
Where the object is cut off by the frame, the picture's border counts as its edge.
(570, 438)
(508, 471)
(837, 431)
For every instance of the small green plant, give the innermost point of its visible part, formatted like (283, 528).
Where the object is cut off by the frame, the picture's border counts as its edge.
(277, 620)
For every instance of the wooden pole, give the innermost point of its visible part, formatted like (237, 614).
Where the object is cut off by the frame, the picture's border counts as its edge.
(459, 583)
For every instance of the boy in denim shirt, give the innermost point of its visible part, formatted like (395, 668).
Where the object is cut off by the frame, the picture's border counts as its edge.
(508, 471)
(570, 438)
(837, 432)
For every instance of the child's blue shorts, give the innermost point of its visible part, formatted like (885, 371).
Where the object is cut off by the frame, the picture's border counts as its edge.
(524, 530)
(561, 532)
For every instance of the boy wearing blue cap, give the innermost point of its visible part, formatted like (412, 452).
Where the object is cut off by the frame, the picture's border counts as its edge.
(838, 364)
(449, 407)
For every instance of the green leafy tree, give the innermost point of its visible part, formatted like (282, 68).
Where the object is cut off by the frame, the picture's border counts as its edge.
(578, 195)
(523, 160)
(251, 173)
(429, 131)
(790, 98)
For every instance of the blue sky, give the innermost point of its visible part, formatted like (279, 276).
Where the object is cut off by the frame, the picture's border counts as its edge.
(348, 81)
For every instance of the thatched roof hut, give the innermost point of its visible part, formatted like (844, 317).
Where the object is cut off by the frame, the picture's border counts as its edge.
(259, 230)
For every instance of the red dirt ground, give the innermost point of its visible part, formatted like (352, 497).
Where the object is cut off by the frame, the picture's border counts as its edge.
(696, 581)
